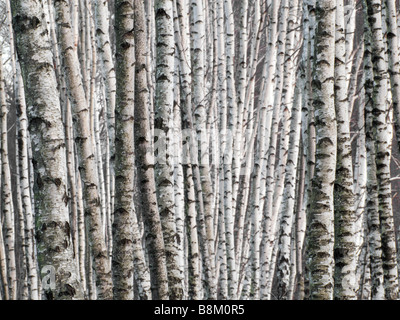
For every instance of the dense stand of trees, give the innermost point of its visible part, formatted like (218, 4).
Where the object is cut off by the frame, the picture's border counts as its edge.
(199, 149)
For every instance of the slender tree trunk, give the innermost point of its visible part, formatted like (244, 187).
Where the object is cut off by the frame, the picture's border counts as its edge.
(25, 188)
(320, 215)
(345, 263)
(46, 129)
(270, 222)
(163, 129)
(3, 266)
(308, 128)
(6, 194)
(207, 194)
(394, 62)
(126, 236)
(86, 151)
(191, 167)
(108, 72)
(288, 203)
(374, 236)
(383, 145)
(145, 161)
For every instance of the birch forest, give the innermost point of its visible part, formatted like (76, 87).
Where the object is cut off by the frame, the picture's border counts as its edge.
(199, 149)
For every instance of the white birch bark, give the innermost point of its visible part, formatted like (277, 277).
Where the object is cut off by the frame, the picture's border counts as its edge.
(3, 266)
(6, 193)
(394, 61)
(269, 218)
(226, 152)
(127, 242)
(349, 14)
(382, 136)
(285, 102)
(345, 263)
(176, 146)
(198, 47)
(285, 257)
(145, 161)
(374, 236)
(266, 121)
(320, 220)
(47, 136)
(241, 86)
(163, 127)
(360, 194)
(86, 150)
(191, 167)
(254, 41)
(25, 188)
(108, 72)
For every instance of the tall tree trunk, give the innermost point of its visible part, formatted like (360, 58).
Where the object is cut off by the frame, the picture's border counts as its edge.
(108, 72)
(191, 167)
(382, 139)
(345, 263)
(145, 161)
(86, 150)
(320, 216)
(126, 236)
(288, 203)
(46, 130)
(6, 193)
(25, 188)
(163, 126)
(394, 61)
(207, 194)
(270, 215)
(374, 236)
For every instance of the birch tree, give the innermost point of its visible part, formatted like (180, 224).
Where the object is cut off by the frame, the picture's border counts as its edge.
(197, 45)
(383, 149)
(394, 63)
(145, 161)
(46, 130)
(7, 198)
(86, 150)
(126, 236)
(374, 236)
(163, 128)
(343, 189)
(320, 216)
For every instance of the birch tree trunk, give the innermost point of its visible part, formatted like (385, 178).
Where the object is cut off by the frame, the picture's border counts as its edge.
(163, 127)
(394, 61)
(126, 235)
(308, 127)
(345, 263)
(145, 161)
(25, 188)
(86, 150)
(320, 215)
(46, 129)
(241, 83)
(270, 215)
(266, 132)
(288, 203)
(198, 42)
(108, 70)
(6, 193)
(383, 144)
(374, 236)
(225, 175)
(190, 162)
